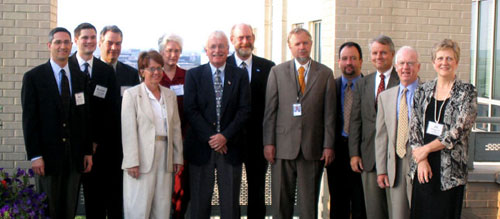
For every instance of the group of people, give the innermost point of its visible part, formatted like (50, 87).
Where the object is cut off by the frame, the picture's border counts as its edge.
(144, 143)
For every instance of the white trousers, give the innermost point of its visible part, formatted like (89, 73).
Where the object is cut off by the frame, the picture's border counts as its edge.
(149, 196)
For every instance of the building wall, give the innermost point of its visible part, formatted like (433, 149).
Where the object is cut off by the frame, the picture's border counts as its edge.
(23, 44)
(417, 23)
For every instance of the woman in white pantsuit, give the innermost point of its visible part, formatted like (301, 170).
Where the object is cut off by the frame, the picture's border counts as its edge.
(152, 142)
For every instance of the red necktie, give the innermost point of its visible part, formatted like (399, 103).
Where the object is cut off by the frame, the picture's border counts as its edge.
(381, 87)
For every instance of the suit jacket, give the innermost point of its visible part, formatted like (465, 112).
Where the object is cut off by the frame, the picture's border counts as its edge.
(139, 131)
(105, 111)
(126, 76)
(258, 83)
(315, 129)
(363, 118)
(43, 124)
(200, 111)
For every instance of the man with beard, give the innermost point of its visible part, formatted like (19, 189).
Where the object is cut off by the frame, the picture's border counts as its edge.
(216, 105)
(299, 128)
(362, 123)
(258, 68)
(104, 109)
(346, 190)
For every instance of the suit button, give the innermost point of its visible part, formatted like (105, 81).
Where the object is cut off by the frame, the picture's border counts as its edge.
(64, 124)
(64, 139)
(213, 124)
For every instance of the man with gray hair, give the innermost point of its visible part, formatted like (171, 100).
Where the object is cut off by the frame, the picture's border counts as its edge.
(299, 128)
(362, 123)
(258, 68)
(217, 106)
(391, 148)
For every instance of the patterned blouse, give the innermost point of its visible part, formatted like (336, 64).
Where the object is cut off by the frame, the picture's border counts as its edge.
(459, 117)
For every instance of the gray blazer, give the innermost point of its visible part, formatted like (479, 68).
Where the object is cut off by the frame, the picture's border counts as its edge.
(314, 130)
(363, 118)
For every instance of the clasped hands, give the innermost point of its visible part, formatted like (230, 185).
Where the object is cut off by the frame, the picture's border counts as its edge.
(424, 172)
(218, 143)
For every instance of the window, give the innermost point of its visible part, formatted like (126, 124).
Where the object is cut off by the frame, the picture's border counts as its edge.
(316, 34)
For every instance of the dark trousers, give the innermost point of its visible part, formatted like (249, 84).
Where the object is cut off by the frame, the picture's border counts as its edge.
(346, 188)
(256, 168)
(201, 179)
(62, 189)
(103, 187)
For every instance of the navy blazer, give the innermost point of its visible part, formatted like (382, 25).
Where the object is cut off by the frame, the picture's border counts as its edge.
(258, 84)
(43, 125)
(200, 112)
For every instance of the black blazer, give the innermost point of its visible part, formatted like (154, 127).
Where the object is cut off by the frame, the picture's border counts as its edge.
(126, 75)
(104, 112)
(43, 124)
(258, 83)
(199, 110)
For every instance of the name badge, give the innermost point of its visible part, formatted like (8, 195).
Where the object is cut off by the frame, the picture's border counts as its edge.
(297, 109)
(100, 91)
(434, 128)
(122, 89)
(79, 98)
(178, 89)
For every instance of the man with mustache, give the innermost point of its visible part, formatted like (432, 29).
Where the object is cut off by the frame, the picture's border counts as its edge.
(362, 123)
(299, 128)
(392, 151)
(346, 190)
(217, 106)
(55, 126)
(258, 68)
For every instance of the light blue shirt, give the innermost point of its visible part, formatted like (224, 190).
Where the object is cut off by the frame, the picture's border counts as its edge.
(409, 96)
(57, 75)
(222, 74)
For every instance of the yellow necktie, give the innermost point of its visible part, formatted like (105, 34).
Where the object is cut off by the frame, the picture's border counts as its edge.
(402, 135)
(302, 82)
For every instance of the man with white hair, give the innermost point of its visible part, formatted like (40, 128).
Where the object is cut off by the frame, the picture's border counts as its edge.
(392, 152)
(216, 105)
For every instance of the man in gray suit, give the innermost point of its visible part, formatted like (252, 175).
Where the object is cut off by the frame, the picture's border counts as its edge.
(299, 121)
(392, 152)
(362, 123)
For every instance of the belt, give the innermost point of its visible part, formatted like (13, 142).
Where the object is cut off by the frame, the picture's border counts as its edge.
(160, 138)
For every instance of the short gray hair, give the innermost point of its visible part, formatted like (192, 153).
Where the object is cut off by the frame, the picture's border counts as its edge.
(165, 38)
(218, 34)
(400, 50)
(384, 40)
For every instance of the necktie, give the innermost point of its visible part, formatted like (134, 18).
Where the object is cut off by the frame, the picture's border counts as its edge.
(65, 92)
(86, 70)
(381, 87)
(302, 82)
(347, 106)
(244, 67)
(402, 126)
(218, 96)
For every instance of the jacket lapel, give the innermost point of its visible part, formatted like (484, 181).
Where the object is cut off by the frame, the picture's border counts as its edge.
(228, 87)
(311, 77)
(52, 84)
(144, 102)
(392, 111)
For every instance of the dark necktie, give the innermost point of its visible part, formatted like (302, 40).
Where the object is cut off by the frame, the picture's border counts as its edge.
(86, 70)
(65, 92)
(348, 95)
(244, 67)
(218, 96)
(381, 87)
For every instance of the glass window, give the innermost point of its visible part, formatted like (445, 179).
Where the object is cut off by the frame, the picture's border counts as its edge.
(473, 41)
(484, 55)
(496, 55)
(495, 112)
(317, 41)
(482, 111)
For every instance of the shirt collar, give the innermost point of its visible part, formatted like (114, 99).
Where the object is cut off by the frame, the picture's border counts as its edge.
(81, 62)
(344, 80)
(306, 66)
(151, 95)
(213, 68)
(56, 68)
(411, 88)
(387, 73)
(239, 61)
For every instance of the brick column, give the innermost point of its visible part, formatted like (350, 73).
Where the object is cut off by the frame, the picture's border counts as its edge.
(23, 45)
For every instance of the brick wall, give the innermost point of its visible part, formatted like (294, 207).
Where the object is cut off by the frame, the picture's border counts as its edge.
(482, 200)
(23, 44)
(417, 23)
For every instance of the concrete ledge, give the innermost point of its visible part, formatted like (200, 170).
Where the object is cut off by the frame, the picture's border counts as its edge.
(485, 173)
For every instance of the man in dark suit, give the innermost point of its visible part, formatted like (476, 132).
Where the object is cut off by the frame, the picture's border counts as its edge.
(99, 185)
(299, 127)
(216, 105)
(258, 68)
(110, 43)
(362, 123)
(56, 134)
(345, 186)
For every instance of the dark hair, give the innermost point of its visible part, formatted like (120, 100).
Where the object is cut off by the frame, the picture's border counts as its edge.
(144, 57)
(112, 28)
(384, 40)
(83, 26)
(56, 30)
(351, 44)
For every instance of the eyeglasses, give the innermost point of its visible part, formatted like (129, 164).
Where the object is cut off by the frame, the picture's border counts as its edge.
(152, 69)
(215, 46)
(411, 64)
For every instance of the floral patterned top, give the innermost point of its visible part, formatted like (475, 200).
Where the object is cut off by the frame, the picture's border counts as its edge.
(459, 117)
